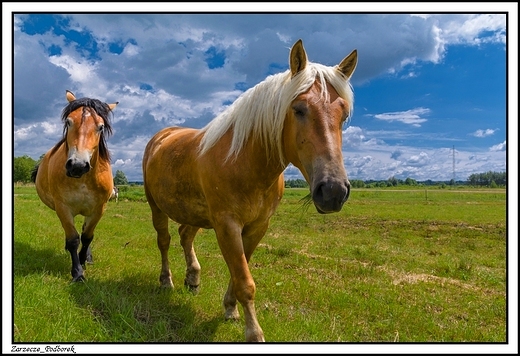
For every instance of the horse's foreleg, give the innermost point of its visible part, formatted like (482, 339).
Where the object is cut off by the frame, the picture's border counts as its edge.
(160, 223)
(250, 238)
(85, 254)
(187, 234)
(242, 286)
(87, 235)
(230, 303)
(71, 242)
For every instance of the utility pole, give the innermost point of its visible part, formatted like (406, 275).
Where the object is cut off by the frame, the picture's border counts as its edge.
(453, 164)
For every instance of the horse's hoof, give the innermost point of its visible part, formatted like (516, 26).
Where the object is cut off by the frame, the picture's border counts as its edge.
(232, 314)
(78, 279)
(166, 282)
(193, 289)
(255, 338)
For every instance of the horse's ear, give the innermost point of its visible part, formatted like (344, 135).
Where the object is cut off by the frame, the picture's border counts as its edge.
(70, 96)
(298, 58)
(348, 64)
(113, 106)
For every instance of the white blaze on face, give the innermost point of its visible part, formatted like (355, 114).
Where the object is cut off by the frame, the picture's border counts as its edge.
(78, 155)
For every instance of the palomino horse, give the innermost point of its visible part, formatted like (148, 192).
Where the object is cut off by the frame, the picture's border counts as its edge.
(228, 176)
(75, 177)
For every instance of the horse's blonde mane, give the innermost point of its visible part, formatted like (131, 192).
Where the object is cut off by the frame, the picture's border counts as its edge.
(261, 110)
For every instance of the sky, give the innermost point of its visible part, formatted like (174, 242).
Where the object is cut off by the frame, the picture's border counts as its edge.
(430, 89)
(435, 88)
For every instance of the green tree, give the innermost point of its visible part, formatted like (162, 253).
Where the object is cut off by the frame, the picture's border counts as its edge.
(357, 183)
(296, 183)
(392, 181)
(410, 181)
(22, 168)
(485, 179)
(120, 178)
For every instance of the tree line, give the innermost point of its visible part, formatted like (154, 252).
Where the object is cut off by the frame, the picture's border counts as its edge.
(488, 179)
(23, 166)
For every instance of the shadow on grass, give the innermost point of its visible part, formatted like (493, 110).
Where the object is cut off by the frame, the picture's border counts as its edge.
(27, 260)
(131, 309)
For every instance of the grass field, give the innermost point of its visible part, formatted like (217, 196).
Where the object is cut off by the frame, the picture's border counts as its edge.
(407, 266)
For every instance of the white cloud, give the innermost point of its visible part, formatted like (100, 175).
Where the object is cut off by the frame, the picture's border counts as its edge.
(483, 133)
(410, 117)
(500, 147)
(80, 72)
(468, 29)
(419, 160)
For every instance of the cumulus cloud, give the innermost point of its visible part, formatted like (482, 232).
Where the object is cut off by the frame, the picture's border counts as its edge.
(471, 28)
(499, 147)
(483, 133)
(418, 160)
(410, 117)
(396, 154)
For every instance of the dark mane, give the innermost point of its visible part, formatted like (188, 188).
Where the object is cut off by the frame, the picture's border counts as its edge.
(101, 110)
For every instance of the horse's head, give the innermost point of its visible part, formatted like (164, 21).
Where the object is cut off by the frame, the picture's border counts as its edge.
(86, 123)
(313, 129)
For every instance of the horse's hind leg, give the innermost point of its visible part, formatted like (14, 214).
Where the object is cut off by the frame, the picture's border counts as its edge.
(187, 234)
(160, 223)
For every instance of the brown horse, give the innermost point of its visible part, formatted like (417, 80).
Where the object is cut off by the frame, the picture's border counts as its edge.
(229, 175)
(75, 177)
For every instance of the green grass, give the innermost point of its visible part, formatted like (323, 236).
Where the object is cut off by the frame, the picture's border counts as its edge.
(392, 266)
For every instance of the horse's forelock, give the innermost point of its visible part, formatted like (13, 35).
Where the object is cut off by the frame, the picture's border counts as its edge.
(101, 109)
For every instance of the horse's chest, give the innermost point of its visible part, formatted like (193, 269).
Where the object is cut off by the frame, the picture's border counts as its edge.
(82, 199)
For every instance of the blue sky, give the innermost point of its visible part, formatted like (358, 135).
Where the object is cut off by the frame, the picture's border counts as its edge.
(428, 87)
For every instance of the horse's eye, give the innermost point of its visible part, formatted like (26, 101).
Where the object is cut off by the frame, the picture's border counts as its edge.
(68, 122)
(300, 110)
(101, 127)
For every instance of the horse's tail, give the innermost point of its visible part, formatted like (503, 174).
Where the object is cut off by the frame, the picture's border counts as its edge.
(34, 172)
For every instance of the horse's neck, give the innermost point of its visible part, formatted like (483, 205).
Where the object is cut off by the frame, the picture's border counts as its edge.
(263, 165)
(97, 163)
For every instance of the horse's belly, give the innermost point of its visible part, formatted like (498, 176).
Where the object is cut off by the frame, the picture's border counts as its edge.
(171, 178)
(182, 201)
(192, 218)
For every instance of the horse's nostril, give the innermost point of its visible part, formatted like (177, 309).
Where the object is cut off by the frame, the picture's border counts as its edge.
(348, 192)
(76, 169)
(318, 196)
(329, 196)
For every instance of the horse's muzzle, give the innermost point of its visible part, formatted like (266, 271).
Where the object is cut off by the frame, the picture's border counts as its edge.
(329, 196)
(76, 169)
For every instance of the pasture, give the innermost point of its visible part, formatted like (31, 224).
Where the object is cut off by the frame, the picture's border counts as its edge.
(392, 266)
